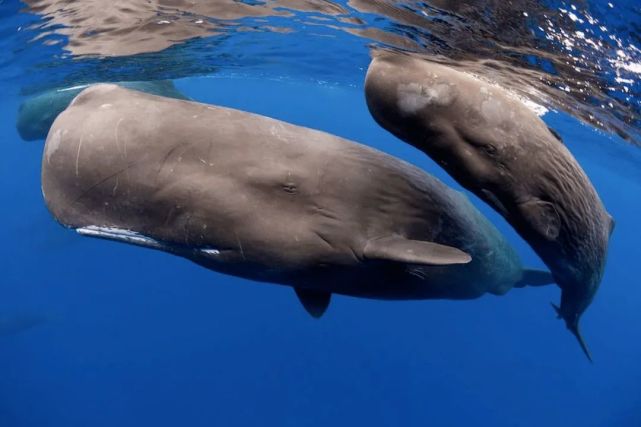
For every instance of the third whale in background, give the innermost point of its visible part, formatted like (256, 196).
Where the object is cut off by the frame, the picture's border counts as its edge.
(496, 147)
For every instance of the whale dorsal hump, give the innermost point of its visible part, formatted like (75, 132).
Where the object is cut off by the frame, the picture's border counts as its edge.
(315, 302)
(400, 249)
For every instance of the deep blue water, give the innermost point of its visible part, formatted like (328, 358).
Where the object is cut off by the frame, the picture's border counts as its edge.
(125, 336)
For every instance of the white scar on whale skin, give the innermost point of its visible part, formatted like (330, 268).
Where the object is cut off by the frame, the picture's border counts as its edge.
(78, 154)
(72, 88)
(116, 133)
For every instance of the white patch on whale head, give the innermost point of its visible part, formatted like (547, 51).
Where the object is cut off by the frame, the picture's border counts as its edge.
(412, 97)
(493, 110)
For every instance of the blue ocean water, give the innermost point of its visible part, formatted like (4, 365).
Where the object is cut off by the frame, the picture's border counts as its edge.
(103, 334)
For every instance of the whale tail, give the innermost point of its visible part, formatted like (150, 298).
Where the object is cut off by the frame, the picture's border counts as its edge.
(576, 331)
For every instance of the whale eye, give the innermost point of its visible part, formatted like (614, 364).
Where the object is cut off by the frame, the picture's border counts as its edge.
(489, 149)
(290, 187)
(481, 145)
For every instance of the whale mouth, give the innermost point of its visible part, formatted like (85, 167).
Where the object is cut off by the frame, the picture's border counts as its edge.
(138, 239)
(122, 235)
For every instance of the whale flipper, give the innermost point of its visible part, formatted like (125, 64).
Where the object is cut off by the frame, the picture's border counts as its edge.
(543, 217)
(556, 135)
(315, 302)
(400, 249)
(535, 278)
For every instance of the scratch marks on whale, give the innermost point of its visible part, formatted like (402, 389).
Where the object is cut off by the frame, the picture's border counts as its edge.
(116, 135)
(78, 153)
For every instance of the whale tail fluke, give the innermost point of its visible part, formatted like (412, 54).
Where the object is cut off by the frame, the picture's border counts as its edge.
(576, 331)
(535, 278)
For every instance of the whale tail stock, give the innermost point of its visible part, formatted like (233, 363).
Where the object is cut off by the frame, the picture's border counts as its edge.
(573, 326)
(542, 278)
(532, 277)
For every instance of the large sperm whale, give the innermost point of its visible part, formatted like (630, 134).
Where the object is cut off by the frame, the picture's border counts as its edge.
(36, 114)
(265, 200)
(493, 145)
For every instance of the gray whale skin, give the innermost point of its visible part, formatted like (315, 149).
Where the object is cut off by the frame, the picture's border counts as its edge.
(494, 146)
(258, 198)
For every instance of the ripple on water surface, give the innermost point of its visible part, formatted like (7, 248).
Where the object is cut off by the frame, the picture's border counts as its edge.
(581, 57)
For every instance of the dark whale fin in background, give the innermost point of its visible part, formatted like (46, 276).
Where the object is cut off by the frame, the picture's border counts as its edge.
(535, 278)
(495, 202)
(556, 135)
(400, 249)
(314, 302)
(574, 328)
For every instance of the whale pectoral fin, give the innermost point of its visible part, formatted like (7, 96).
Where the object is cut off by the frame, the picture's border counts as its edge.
(543, 217)
(314, 302)
(612, 224)
(400, 249)
(535, 278)
(556, 135)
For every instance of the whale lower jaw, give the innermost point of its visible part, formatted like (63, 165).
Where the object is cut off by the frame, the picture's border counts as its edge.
(134, 238)
(122, 235)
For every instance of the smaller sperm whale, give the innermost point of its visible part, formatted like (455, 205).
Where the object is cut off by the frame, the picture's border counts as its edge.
(494, 146)
(265, 200)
